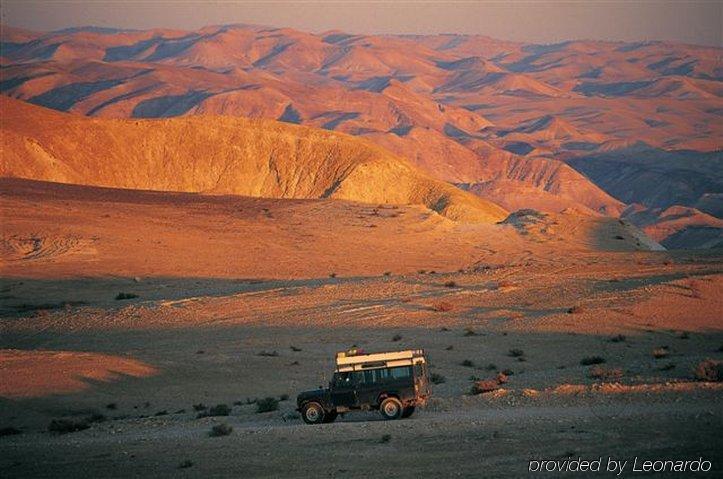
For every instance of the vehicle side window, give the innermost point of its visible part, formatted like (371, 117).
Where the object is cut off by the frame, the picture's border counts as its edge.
(358, 377)
(381, 375)
(369, 377)
(401, 372)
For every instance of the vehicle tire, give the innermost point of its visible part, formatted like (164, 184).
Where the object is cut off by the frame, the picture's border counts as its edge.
(408, 411)
(330, 417)
(391, 408)
(313, 413)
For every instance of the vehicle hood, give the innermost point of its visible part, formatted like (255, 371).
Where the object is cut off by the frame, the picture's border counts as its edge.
(313, 394)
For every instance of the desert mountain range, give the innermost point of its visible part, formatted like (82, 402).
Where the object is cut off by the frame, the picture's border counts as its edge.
(601, 128)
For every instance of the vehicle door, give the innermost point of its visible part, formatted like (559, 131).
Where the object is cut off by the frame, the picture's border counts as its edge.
(342, 390)
(367, 388)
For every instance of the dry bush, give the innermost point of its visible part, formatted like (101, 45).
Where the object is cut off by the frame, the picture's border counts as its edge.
(386, 438)
(491, 367)
(484, 386)
(576, 310)
(185, 464)
(501, 378)
(121, 296)
(442, 306)
(469, 332)
(661, 352)
(217, 410)
(270, 354)
(590, 360)
(397, 337)
(516, 353)
(618, 339)
(600, 372)
(667, 367)
(709, 370)
(502, 284)
(220, 430)
(199, 407)
(295, 349)
(436, 378)
(267, 404)
(65, 426)
(450, 284)
(468, 363)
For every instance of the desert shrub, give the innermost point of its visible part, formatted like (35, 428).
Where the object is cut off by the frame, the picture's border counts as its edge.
(162, 413)
(267, 404)
(284, 397)
(397, 337)
(661, 352)
(442, 306)
(111, 406)
(667, 367)
(575, 310)
(251, 401)
(468, 363)
(469, 332)
(516, 353)
(491, 367)
(120, 296)
(617, 339)
(217, 410)
(484, 386)
(386, 438)
(65, 426)
(295, 349)
(332, 275)
(220, 430)
(709, 370)
(270, 354)
(96, 417)
(501, 378)
(185, 464)
(436, 378)
(422, 271)
(600, 372)
(387, 273)
(590, 360)
(9, 431)
(450, 284)
(199, 407)
(449, 348)
(684, 335)
(508, 372)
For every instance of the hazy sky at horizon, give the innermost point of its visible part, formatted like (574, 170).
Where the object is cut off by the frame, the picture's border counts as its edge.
(699, 22)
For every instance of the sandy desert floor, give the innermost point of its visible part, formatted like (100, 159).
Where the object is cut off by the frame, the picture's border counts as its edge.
(70, 350)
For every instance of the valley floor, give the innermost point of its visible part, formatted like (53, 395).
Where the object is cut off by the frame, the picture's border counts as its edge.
(70, 350)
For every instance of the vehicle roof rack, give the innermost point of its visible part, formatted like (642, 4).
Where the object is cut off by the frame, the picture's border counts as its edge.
(357, 360)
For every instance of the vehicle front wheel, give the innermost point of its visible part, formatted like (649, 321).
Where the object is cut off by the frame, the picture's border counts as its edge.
(391, 408)
(408, 411)
(312, 413)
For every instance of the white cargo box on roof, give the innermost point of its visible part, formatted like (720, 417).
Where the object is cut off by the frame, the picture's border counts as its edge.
(349, 361)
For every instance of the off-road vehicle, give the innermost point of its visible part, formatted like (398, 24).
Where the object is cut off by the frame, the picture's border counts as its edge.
(394, 383)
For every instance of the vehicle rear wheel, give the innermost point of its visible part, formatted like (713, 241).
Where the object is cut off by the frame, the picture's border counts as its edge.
(312, 413)
(408, 411)
(391, 408)
(330, 417)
